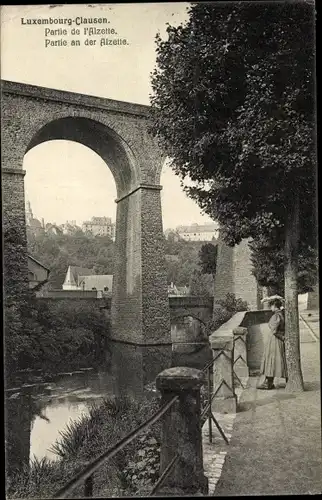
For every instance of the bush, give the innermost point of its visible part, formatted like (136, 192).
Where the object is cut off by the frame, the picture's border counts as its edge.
(54, 335)
(233, 305)
(229, 306)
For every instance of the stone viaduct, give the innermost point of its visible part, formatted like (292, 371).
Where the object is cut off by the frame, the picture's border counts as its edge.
(118, 132)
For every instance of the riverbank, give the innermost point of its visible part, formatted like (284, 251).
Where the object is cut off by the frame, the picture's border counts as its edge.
(132, 469)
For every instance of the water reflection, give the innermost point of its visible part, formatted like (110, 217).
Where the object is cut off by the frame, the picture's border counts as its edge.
(37, 412)
(46, 431)
(35, 415)
(135, 367)
(190, 342)
(18, 417)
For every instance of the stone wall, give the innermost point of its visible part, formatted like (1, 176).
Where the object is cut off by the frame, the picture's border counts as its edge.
(313, 299)
(234, 275)
(256, 324)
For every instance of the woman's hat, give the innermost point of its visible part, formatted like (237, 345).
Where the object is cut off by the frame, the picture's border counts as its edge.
(271, 298)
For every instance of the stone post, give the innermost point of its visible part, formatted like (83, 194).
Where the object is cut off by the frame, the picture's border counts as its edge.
(224, 397)
(241, 372)
(181, 431)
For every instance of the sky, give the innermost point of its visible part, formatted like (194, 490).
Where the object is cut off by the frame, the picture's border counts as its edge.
(65, 180)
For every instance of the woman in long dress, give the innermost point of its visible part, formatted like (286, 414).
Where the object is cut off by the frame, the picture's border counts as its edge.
(274, 359)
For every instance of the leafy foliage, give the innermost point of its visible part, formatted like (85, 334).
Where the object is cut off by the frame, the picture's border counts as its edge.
(268, 259)
(183, 266)
(54, 335)
(58, 251)
(235, 115)
(232, 304)
(228, 306)
(233, 107)
(201, 284)
(208, 258)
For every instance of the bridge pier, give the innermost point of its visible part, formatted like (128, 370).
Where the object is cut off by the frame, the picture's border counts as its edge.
(118, 132)
(140, 305)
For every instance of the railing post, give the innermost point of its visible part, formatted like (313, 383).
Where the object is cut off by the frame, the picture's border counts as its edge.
(88, 487)
(181, 431)
(224, 397)
(240, 355)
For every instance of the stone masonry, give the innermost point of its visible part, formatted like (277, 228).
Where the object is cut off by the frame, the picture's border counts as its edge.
(118, 132)
(234, 275)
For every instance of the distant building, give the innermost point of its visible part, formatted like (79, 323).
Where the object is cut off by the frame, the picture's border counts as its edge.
(80, 278)
(33, 225)
(53, 229)
(196, 232)
(178, 291)
(171, 234)
(69, 227)
(100, 226)
(73, 276)
(38, 274)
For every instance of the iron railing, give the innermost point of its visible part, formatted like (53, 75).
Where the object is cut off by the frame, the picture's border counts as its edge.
(207, 411)
(86, 476)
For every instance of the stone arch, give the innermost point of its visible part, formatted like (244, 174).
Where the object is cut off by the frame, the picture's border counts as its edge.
(103, 140)
(186, 314)
(161, 165)
(118, 132)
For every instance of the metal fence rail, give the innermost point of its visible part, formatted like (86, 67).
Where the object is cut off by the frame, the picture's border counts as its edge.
(207, 411)
(164, 475)
(86, 475)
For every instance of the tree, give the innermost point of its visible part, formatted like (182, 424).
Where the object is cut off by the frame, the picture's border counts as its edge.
(207, 261)
(233, 107)
(268, 266)
(57, 252)
(200, 284)
(208, 258)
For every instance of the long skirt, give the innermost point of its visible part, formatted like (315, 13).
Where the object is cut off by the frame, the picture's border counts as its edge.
(274, 359)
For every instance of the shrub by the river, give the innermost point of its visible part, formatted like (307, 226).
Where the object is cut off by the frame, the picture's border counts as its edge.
(54, 336)
(131, 471)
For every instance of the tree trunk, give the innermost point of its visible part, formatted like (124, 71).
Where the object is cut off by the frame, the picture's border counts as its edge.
(292, 330)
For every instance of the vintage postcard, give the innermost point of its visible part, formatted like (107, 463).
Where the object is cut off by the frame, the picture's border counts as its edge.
(161, 291)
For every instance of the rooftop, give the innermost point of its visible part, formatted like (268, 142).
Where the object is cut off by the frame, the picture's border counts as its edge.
(98, 281)
(196, 228)
(99, 221)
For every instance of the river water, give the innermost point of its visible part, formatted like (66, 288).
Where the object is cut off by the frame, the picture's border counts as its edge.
(66, 400)
(37, 412)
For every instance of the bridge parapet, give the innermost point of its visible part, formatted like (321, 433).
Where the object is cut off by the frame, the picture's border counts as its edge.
(199, 308)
